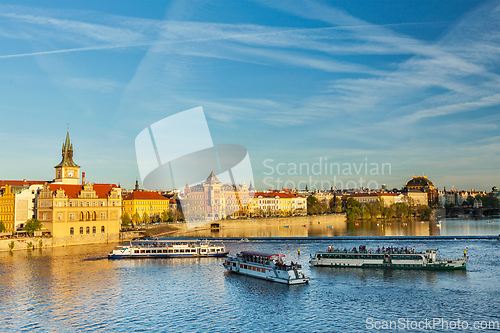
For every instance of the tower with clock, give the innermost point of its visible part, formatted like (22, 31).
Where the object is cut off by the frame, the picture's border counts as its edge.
(67, 172)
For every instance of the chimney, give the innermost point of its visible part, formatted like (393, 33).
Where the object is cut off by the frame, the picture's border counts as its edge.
(83, 178)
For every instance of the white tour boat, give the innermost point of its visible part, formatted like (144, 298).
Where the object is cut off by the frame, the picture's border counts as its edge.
(266, 266)
(156, 248)
(401, 258)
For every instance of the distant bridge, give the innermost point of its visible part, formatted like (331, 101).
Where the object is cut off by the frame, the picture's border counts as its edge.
(476, 212)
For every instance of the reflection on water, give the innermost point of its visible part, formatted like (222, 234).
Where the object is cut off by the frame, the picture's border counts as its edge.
(77, 288)
(336, 225)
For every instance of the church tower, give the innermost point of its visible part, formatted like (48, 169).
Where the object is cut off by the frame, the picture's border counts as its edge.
(67, 172)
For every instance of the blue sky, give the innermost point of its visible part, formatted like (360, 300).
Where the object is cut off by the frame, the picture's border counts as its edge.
(411, 83)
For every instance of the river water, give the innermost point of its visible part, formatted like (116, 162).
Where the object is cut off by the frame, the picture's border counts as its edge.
(77, 289)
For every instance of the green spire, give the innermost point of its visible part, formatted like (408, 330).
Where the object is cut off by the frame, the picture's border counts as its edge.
(67, 153)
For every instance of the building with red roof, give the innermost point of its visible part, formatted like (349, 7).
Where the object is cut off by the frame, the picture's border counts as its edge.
(75, 213)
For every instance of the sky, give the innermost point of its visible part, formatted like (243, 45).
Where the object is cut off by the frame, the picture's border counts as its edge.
(339, 92)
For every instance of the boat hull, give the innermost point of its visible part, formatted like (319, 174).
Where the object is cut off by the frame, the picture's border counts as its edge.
(161, 255)
(287, 276)
(400, 260)
(392, 266)
(156, 248)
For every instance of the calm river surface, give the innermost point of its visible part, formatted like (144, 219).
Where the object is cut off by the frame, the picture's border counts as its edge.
(77, 288)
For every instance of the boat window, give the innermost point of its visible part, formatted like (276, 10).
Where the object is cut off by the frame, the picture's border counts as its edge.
(176, 251)
(148, 251)
(182, 251)
(193, 250)
(170, 251)
(212, 250)
(142, 251)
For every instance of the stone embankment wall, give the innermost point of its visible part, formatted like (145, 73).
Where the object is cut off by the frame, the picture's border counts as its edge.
(22, 243)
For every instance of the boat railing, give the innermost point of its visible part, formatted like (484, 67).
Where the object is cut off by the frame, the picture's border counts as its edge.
(372, 251)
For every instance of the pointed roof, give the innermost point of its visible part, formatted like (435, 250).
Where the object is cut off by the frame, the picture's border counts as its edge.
(67, 153)
(212, 178)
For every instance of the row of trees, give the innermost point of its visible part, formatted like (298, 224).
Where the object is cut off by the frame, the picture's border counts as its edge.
(316, 207)
(368, 211)
(165, 216)
(372, 210)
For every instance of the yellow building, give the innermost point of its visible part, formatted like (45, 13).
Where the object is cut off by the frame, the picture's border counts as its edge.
(76, 213)
(7, 205)
(277, 203)
(140, 202)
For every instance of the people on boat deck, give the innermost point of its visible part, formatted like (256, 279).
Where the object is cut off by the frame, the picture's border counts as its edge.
(384, 250)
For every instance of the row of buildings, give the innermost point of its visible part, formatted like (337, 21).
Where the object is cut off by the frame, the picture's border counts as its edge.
(75, 211)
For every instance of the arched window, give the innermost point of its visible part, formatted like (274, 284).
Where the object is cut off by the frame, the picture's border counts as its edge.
(81, 216)
(87, 216)
(81, 230)
(87, 230)
(102, 229)
(94, 216)
(94, 229)
(71, 231)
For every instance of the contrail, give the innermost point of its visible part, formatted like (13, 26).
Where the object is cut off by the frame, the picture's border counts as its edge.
(89, 48)
(235, 36)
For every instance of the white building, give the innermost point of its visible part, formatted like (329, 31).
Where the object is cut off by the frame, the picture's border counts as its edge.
(25, 205)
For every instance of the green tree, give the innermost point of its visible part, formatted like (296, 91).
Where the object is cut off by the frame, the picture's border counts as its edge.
(32, 225)
(166, 216)
(365, 212)
(2, 227)
(488, 200)
(126, 219)
(145, 218)
(351, 202)
(424, 212)
(373, 209)
(335, 204)
(136, 217)
(353, 213)
(400, 210)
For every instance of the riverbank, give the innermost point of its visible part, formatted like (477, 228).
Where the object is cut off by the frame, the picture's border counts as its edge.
(25, 243)
(296, 226)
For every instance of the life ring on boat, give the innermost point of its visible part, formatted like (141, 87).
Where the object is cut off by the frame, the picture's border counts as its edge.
(370, 250)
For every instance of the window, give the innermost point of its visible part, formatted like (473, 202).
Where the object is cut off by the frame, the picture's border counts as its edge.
(71, 231)
(87, 216)
(59, 216)
(71, 216)
(87, 230)
(102, 229)
(81, 230)
(44, 217)
(103, 215)
(94, 229)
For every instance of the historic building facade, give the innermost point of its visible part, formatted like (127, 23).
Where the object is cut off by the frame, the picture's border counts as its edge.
(7, 206)
(423, 184)
(76, 213)
(145, 202)
(277, 203)
(212, 200)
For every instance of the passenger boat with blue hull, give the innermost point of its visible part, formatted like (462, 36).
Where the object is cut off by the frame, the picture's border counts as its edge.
(155, 248)
(267, 266)
(400, 258)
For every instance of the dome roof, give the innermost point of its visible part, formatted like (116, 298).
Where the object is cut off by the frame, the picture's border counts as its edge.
(420, 182)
